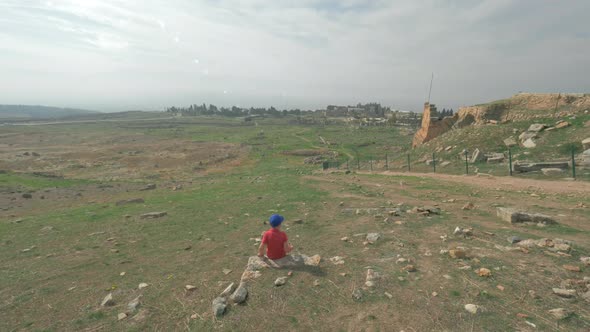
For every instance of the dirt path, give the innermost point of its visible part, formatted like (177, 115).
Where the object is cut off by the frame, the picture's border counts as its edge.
(503, 182)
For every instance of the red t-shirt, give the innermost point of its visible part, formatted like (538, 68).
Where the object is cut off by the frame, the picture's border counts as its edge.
(275, 243)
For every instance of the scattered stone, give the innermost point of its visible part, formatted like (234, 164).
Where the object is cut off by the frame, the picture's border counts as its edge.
(514, 239)
(337, 260)
(500, 287)
(150, 186)
(316, 283)
(313, 260)
(228, 290)
(373, 237)
(219, 305)
(536, 127)
(472, 308)
(226, 271)
(514, 216)
(388, 295)
(153, 215)
(121, 316)
(108, 301)
(142, 285)
(409, 268)
(529, 143)
(521, 315)
(468, 206)
(572, 268)
(586, 144)
(29, 249)
(463, 231)
(510, 142)
(190, 287)
(240, 294)
(457, 253)
(562, 125)
(357, 294)
(280, 281)
(559, 313)
(477, 156)
(585, 260)
(130, 201)
(345, 239)
(483, 272)
(371, 279)
(567, 293)
(134, 304)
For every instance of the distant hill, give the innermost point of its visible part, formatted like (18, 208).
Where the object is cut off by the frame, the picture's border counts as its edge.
(39, 112)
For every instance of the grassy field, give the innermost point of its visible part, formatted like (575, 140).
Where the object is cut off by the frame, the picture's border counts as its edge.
(60, 255)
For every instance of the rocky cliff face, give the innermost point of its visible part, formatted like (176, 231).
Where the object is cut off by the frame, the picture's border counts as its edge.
(523, 106)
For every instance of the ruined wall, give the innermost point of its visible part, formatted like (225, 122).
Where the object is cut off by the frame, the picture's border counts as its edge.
(432, 126)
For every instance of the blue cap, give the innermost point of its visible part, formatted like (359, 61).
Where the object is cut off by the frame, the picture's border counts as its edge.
(275, 220)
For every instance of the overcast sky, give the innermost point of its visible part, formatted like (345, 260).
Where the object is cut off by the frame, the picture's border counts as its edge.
(146, 54)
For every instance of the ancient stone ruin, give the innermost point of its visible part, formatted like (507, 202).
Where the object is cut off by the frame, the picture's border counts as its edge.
(523, 106)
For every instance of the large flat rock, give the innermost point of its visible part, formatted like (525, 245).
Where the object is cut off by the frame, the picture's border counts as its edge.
(523, 167)
(515, 216)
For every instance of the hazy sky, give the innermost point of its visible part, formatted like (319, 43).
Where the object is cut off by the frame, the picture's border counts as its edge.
(128, 54)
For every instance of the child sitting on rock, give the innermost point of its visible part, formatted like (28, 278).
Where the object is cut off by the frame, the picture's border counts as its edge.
(274, 240)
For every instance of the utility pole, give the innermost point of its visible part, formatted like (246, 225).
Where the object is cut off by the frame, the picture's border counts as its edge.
(430, 90)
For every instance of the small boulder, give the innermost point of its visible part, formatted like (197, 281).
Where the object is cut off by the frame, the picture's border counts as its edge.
(121, 316)
(373, 237)
(510, 142)
(219, 305)
(529, 143)
(280, 281)
(240, 294)
(142, 285)
(567, 293)
(108, 301)
(357, 294)
(190, 288)
(134, 304)
(483, 272)
(536, 127)
(472, 308)
(559, 313)
(457, 253)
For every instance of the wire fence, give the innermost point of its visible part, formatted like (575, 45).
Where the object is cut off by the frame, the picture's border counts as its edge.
(500, 164)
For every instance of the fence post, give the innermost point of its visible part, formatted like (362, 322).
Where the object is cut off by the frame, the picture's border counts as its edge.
(510, 160)
(466, 163)
(371, 163)
(347, 167)
(386, 162)
(433, 163)
(409, 169)
(573, 164)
